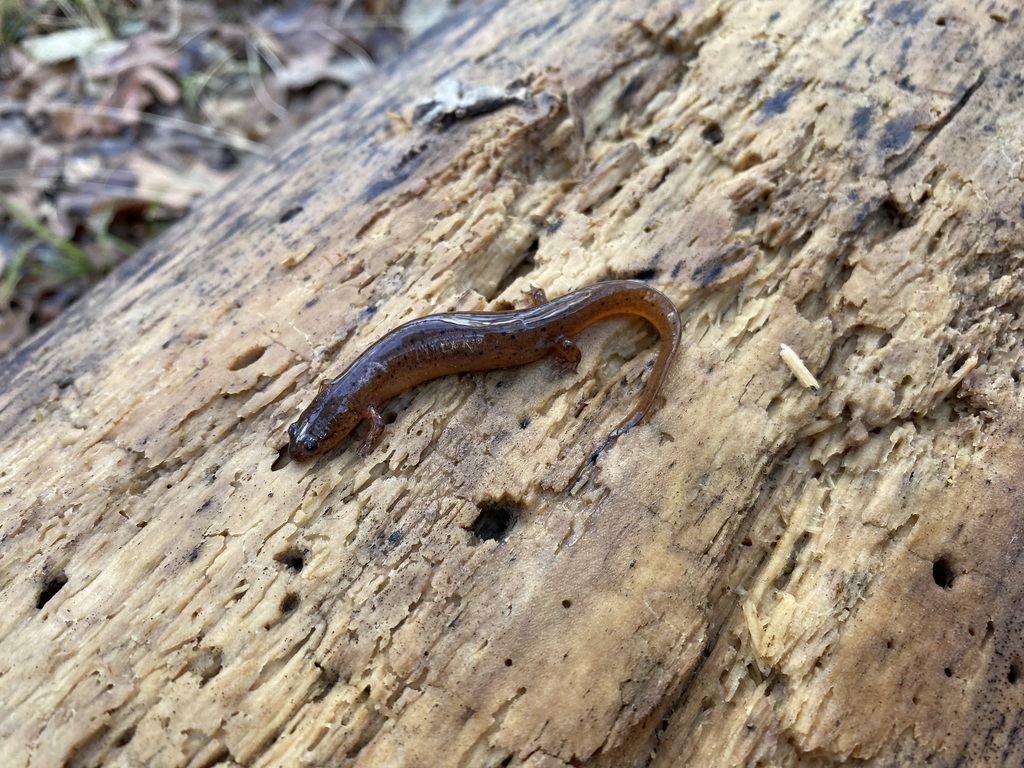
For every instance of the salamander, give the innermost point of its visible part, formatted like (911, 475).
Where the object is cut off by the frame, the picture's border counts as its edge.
(461, 342)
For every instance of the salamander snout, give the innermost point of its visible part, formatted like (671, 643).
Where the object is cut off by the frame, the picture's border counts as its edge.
(301, 446)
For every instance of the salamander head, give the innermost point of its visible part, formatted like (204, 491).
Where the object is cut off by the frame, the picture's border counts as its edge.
(321, 427)
(302, 445)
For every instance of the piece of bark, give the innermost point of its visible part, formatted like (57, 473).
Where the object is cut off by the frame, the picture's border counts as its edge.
(763, 573)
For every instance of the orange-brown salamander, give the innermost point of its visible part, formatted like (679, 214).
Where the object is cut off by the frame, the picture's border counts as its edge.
(459, 342)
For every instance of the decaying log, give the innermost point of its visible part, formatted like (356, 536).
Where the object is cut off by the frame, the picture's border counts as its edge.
(765, 572)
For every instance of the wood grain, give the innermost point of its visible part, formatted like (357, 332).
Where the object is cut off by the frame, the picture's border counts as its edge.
(762, 574)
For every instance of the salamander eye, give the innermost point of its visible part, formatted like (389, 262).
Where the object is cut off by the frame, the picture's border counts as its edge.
(292, 429)
(310, 445)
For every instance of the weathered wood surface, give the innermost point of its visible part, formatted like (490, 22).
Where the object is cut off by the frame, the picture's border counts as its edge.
(761, 573)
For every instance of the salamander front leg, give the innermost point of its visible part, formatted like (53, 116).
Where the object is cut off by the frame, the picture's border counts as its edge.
(569, 355)
(374, 435)
(534, 297)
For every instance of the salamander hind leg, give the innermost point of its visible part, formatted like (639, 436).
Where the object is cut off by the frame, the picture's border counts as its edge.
(376, 431)
(569, 354)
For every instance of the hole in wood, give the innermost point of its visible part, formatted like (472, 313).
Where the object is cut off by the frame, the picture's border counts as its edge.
(125, 737)
(290, 214)
(1014, 674)
(51, 587)
(893, 217)
(942, 572)
(247, 358)
(495, 519)
(289, 603)
(293, 559)
(713, 134)
(282, 460)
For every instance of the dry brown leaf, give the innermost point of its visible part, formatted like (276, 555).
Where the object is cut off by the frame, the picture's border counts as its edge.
(145, 49)
(162, 185)
(311, 50)
(142, 75)
(133, 184)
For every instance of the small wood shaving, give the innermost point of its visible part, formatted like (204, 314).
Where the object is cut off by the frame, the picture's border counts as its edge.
(294, 258)
(797, 366)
